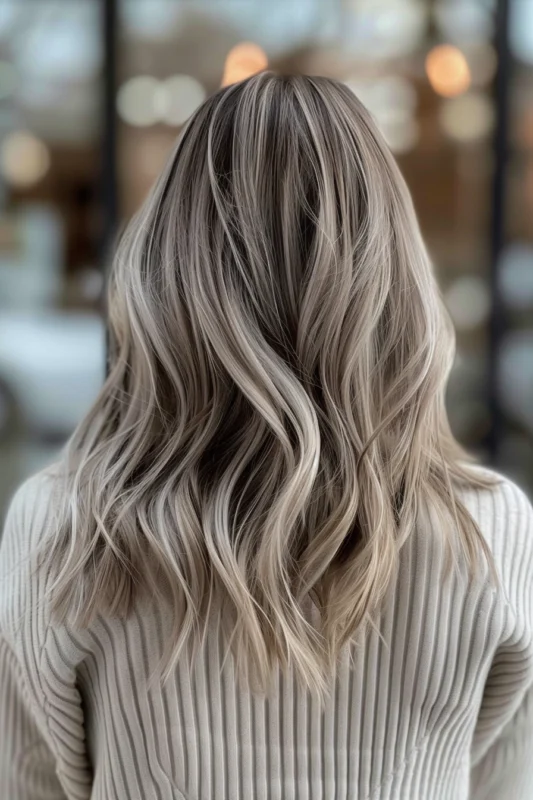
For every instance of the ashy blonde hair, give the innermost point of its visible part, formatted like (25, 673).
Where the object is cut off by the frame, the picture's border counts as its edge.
(273, 417)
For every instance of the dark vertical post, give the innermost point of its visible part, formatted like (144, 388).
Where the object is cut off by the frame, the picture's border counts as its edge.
(498, 221)
(109, 193)
(109, 137)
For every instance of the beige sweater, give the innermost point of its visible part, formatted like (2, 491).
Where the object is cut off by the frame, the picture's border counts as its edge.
(440, 709)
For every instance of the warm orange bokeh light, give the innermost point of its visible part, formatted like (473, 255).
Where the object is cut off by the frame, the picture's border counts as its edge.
(447, 70)
(243, 60)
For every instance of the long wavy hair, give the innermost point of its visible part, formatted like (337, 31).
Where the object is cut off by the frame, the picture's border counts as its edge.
(273, 418)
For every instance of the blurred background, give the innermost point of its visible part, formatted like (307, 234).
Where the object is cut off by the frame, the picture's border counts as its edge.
(93, 94)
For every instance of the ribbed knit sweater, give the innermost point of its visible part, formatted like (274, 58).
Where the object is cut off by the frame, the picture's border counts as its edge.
(439, 706)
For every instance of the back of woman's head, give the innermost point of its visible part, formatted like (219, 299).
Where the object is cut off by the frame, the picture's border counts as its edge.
(273, 415)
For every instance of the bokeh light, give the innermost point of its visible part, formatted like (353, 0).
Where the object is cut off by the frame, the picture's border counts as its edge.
(178, 97)
(242, 61)
(468, 118)
(402, 135)
(387, 97)
(392, 100)
(468, 302)
(24, 159)
(138, 101)
(447, 70)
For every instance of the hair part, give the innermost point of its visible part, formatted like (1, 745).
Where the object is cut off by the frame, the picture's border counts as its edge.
(273, 418)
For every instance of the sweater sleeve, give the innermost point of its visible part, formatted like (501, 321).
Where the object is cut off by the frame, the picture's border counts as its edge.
(502, 762)
(27, 764)
(506, 770)
(42, 740)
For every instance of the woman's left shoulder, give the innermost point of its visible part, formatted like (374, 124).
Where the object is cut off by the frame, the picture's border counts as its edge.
(30, 517)
(29, 511)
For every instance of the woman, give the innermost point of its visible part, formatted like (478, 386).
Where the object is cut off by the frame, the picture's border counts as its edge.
(264, 568)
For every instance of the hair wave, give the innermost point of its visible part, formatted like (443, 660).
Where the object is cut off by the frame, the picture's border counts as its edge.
(273, 417)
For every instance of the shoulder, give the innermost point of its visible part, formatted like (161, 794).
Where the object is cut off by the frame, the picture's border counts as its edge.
(500, 507)
(30, 516)
(30, 511)
(504, 515)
